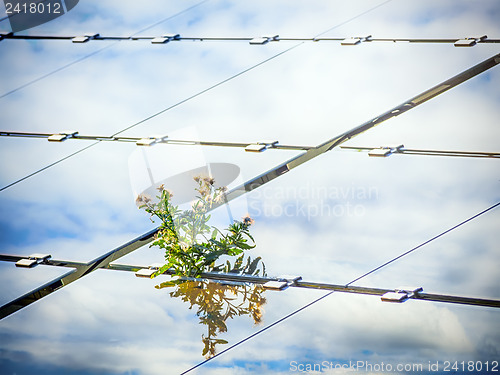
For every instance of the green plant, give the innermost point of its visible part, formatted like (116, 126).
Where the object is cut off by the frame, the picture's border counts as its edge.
(191, 245)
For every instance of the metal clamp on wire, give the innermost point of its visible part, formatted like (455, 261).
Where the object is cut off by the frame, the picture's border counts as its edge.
(261, 146)
(62, 136)
(148, 272)
(469, 42)
(265, 39)
(5, 34)
(33, 260)
(355, 40)
(150, 141)
(165, 38)
(385, 151)
(282, 283)
(401, 294)
(84, 38)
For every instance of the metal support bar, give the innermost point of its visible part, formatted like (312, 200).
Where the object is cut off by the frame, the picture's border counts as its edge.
(407, 151)
(265, 39)
(104, 260)
(150, 141)
(278, 283)
(464, 42)
(165, 38)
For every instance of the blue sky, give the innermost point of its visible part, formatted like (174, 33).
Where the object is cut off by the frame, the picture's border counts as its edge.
(112, 322)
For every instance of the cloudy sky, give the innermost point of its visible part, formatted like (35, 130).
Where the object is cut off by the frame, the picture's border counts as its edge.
(331, 220)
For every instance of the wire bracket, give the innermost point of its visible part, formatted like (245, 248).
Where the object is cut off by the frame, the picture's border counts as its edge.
(275, 285)
(33, 260)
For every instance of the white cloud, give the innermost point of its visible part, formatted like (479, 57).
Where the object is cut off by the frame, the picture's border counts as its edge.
(83, 207)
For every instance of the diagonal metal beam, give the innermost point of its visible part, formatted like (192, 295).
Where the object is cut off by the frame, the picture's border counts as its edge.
(104, 260)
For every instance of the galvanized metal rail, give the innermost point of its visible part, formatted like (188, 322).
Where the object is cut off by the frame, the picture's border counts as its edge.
(283, 282)
(149, 141)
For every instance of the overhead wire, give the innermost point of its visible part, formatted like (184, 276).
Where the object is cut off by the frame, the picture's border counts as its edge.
(461, 154)
(47, 167)
(80, 59)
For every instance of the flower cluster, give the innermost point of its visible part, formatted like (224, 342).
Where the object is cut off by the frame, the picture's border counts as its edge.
(191, 245)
